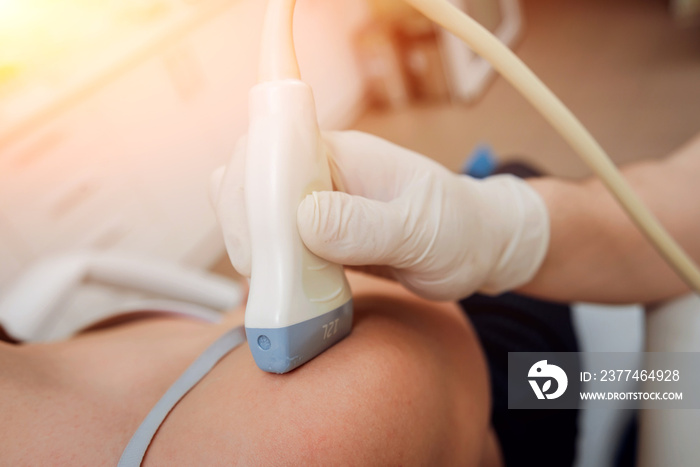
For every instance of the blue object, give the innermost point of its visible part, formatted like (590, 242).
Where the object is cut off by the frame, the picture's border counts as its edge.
(282, 349)
(481, 163)
(135, 451)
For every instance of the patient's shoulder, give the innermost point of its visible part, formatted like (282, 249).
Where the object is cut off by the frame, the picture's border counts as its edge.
(408, 386)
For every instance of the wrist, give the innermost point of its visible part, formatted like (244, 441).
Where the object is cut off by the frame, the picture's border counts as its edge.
(523, 221)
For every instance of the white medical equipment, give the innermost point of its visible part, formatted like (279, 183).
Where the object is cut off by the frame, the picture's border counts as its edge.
(299, 304)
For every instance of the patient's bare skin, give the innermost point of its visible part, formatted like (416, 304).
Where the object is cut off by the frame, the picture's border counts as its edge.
(409, 387)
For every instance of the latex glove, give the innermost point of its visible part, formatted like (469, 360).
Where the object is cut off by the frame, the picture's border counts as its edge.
(227, 196)
(442, 235)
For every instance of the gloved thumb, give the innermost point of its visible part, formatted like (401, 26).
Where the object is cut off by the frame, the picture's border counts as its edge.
(351, 230)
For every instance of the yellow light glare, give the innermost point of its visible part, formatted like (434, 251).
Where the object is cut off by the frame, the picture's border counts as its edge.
(33, 32)
(14, 13)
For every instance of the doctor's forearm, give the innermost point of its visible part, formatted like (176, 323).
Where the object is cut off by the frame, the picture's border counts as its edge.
(597, 254)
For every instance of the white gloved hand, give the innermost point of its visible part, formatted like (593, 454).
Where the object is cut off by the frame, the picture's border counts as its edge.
(443, 236)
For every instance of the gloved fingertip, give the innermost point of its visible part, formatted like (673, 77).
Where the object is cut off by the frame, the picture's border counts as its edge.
(308, 215)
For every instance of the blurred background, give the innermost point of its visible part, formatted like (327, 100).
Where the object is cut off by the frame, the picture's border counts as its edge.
(113, 113)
